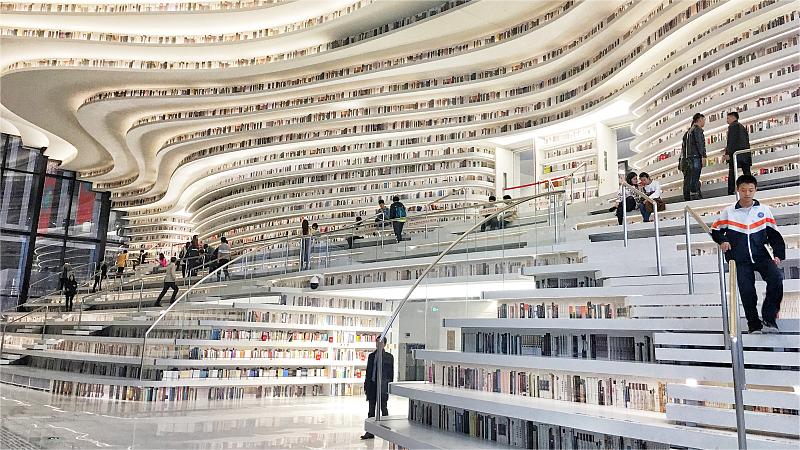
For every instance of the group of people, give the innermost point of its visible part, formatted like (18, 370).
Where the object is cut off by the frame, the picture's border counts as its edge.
(628, 199)
(195, 256)
(499, 221)
(693, 154)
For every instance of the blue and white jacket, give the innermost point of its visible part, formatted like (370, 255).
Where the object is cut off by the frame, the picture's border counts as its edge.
(749, 232)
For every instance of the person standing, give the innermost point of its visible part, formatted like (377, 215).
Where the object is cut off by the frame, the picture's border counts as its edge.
(693, 158)
(506, 218)
(653, 190)
(743, 230)
(371, 381)
(397, 214)
(170, 276)
(738, 139)
(305, 245)
(70, 289)
(184, 257)
(223, 258)
(382, 216)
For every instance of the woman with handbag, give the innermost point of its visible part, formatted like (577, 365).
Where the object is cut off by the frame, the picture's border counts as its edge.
(653, 190)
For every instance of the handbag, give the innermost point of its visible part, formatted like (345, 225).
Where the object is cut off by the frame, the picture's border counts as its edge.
(660, 205)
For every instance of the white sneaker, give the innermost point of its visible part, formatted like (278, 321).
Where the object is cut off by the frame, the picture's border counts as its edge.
(770, 329)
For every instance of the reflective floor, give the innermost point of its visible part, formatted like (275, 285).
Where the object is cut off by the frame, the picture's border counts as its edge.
(34, 419)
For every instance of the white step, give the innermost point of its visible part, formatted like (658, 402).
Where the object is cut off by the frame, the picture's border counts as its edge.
(77, 332)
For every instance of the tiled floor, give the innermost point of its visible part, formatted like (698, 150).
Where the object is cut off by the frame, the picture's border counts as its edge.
(34, 419)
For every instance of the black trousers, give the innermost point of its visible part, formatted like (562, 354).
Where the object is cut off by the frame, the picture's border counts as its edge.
(691, 180)
(372, 405)
(630, 206)
(68, 301)
(746, 279)
(398, 230)
(732, 175)
(97, 282)
(167, 286)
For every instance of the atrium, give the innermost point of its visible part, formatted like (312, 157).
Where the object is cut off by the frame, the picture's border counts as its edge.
(400, 224)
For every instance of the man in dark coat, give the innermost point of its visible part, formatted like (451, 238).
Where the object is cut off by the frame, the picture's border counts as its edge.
(371, 383)
(738, 139)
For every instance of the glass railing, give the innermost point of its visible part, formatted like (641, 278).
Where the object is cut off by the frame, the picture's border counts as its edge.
(474, 247)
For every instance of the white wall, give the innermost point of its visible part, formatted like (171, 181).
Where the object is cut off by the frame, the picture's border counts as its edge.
(506, 167)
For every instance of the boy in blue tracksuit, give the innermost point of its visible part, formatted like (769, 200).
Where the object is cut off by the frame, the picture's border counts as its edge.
(742, 231)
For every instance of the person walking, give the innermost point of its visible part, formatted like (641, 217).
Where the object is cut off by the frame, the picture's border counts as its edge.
(66, 271)
(371, 382)
(122, 260)
(100, 275)
(743, 230)
(305, 245)
(170, 275)
(70, 289)
(738, 139)
(397, 214)
(693, 158)
(625, 198)
(223, 257)
(653, 190)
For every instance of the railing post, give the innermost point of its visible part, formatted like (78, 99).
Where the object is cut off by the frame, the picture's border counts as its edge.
(3, 336)
(378, 361)
(734, 337)
(689, 267)
(735, 173)
(723, 293)
(44, 324)
(624, 206)
(141, 289)
(658, 239)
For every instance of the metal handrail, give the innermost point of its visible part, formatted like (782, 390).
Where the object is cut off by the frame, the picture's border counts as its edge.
(396, 312)
(54, 274)
(271, 241)
(646, 198)
(730, 318)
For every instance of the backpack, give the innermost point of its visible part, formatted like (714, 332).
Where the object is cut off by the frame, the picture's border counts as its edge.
(400, 211)
(683, 160)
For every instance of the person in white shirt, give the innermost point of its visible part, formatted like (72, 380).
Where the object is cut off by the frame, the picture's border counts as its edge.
(223, 257)
(653, 190)
(169, 282)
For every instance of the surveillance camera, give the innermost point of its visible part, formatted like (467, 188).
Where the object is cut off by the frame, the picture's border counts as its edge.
(315, 281)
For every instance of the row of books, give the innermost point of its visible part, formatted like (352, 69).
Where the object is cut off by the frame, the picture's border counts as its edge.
(590, 310)
(231, 353)
(346, 303)
(573, 345)
(515, 432)
(646, 395)
(311, 319)
(294, 372)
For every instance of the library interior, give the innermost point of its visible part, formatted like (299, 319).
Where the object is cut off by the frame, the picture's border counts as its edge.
(400, 224)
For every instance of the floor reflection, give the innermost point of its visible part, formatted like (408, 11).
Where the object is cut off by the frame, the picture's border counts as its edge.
(55, 422)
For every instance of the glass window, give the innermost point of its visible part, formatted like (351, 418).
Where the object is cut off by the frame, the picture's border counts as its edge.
(55, 205)
(85, 214)
(12, 263)
(19, 157)
(17, 206)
